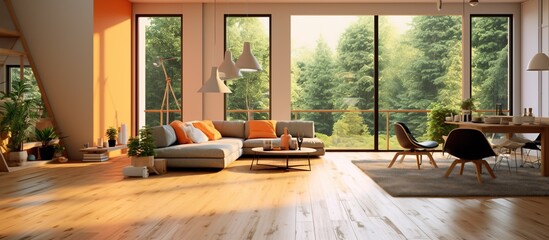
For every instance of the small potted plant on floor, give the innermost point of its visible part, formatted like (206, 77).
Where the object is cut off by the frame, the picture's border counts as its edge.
(141, 149)
(46, 137)
(59, 149)
(111, 134)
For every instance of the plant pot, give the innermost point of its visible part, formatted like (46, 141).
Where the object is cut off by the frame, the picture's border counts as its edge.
(147, 161)
(112, 143)
(62, 159)
(16, 159)
(46, 153)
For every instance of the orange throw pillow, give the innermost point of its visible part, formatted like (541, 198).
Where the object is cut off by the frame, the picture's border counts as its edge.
(262, 129)
(208, 128)
(182, 137)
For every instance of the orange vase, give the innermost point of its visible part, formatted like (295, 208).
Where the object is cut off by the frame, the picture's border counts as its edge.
(285, 140)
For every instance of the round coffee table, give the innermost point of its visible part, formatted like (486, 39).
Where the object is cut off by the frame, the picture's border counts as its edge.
(287, 153)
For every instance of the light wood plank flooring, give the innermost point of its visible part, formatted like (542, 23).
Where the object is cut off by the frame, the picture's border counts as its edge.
(333, 201)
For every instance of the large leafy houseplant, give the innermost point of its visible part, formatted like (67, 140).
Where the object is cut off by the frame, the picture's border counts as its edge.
(436, 128)
(19, 110)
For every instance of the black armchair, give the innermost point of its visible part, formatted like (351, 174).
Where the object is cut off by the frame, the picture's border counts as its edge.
(469, 145)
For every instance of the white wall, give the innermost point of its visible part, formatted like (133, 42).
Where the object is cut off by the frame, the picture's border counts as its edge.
(60, 37)
(535, 85)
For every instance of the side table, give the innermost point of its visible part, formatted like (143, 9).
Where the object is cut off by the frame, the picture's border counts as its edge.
(97, 154)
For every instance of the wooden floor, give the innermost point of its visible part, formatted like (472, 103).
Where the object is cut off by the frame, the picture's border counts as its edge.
(333, 201)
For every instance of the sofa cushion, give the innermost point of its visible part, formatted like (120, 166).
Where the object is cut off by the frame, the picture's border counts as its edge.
(207, 127)
(195, 134)
(179, 128)
(261, 129)
(304, 128)
(163, 136)
(230, 128)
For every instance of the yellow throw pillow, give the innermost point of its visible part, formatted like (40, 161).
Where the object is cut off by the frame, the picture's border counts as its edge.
(262, 129)
(182, 137)
(208, 128)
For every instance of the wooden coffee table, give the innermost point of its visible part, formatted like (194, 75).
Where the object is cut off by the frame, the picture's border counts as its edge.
(258, 151)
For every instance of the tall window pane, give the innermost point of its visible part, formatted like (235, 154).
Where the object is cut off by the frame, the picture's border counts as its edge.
(332, 78)
(159, 69)
(250, 97)
(490, 64)
(420, 69)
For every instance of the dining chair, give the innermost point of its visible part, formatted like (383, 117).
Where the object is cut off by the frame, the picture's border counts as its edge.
(504, 147)
(412, 146)
(469, 145)
(534, 145)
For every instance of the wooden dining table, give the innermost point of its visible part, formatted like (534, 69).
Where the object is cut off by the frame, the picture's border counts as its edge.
(543, 129)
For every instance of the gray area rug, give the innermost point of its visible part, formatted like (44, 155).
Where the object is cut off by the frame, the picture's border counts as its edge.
(405, 180)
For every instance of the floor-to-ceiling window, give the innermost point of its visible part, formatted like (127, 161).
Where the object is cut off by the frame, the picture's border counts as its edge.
(250, 97)
(333, 77)
(491, 62)
(158, 69)
(419, 68)
(334, 68)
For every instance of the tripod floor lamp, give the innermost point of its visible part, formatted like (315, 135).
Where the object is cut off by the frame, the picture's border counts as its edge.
(167, 91)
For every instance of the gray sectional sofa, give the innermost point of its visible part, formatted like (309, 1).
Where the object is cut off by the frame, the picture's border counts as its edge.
(233, 144)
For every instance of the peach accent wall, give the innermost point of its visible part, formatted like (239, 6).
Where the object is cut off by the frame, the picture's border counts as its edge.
(111, 65)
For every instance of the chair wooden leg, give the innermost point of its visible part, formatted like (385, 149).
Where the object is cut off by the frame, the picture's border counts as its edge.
(487, 166)
(418, 160)
(478, 168)
(431, 160)
(394, 159)
(461, 168)
(451, 168)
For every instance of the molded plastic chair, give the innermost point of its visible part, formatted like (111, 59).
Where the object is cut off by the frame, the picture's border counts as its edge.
(412, 146)
(469, 145)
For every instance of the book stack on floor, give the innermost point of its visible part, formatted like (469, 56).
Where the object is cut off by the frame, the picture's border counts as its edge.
(95, 157)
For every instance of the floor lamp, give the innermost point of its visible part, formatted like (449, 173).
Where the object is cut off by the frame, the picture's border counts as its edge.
(167, 90)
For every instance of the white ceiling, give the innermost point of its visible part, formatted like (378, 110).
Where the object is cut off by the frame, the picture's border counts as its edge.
(319, 1)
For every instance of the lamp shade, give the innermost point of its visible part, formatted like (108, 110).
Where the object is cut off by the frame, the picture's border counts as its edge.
(473, 2)
(247, 61)
(539, 62)
(214, 84)
(228, 70)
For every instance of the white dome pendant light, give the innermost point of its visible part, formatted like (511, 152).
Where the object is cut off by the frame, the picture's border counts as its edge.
(247, 61)
(214, 84)
(227, 69)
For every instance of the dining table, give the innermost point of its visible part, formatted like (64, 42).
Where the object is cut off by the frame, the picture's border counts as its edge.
(510, 129)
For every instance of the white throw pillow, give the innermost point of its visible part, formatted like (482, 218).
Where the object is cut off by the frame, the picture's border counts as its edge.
(195, 134)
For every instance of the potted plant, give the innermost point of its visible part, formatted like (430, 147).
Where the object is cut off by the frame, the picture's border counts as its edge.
(18, 112)
(467, 106)
(111, 134)
(141, 149)
(59, 149)
(46, 136)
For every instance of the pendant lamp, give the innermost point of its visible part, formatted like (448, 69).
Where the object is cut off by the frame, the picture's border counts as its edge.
(214, 84)
(540, 62)
(228, 70)
(473, 2)
(247, 61)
